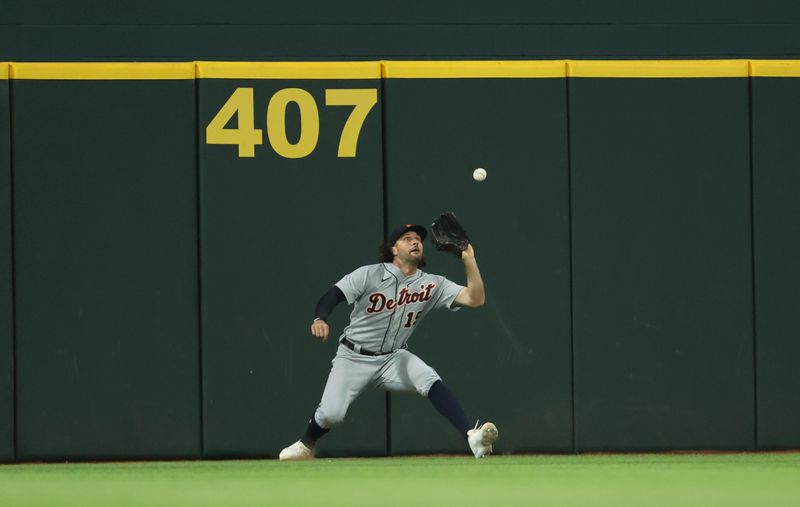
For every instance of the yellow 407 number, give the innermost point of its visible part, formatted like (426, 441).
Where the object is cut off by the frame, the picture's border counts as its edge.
(246, 136)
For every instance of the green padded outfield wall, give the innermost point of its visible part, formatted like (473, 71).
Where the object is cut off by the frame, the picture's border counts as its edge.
(662, 265)
(776, 188)
(105, 222)
(6, 287)
(508, 361)
(629, 184)
(286, 210)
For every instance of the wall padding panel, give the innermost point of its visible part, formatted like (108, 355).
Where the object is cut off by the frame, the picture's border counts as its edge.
(6, 277)
(662, 263)
(279, 228)
(105, 220)
(508, 361)
(776, 186)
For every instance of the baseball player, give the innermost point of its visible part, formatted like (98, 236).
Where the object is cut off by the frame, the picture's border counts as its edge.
(389, 300)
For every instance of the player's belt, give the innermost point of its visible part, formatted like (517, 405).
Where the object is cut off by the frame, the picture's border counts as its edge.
(358, 350)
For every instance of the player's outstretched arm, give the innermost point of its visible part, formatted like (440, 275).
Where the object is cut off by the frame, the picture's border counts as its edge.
(473, 295)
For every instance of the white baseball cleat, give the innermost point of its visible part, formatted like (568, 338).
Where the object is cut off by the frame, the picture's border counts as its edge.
(481, 439)
(295, 452)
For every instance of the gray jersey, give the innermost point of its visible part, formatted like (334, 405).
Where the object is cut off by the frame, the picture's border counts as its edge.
(388, 305)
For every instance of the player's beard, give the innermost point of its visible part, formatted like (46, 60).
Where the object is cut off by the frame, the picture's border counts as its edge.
(414, 259)
(419, 262)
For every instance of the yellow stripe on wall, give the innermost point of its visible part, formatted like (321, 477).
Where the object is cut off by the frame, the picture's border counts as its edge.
(657, 68)
(289, 70)
(109, 71)
(775, 68)
(475, 69)
(405, 69)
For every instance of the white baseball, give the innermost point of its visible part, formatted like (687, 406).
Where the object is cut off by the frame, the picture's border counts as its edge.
(479, 174)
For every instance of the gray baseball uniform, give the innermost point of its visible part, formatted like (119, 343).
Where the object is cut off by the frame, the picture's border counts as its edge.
(387, 307)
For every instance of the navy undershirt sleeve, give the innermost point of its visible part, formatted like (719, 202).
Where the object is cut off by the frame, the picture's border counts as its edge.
(328, 302)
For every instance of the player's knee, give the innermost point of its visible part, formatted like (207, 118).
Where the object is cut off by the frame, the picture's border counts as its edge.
(425, 385)
(328, 418)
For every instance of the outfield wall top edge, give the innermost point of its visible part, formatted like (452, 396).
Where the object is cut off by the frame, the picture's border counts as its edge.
(402, 69)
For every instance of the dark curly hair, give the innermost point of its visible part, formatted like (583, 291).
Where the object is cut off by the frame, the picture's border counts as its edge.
(385, 255)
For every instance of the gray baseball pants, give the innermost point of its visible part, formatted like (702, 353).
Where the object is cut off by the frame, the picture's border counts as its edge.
(351, 373)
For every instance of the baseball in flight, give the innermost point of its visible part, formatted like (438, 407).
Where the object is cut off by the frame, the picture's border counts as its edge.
(479, 174)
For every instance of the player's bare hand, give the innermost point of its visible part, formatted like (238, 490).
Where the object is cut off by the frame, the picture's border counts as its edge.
(320, 329)
(469, 253)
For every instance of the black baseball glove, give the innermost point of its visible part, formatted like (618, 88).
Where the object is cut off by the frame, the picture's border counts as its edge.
(448, 235)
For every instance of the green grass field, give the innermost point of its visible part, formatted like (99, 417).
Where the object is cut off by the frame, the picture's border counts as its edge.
(498, 481)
